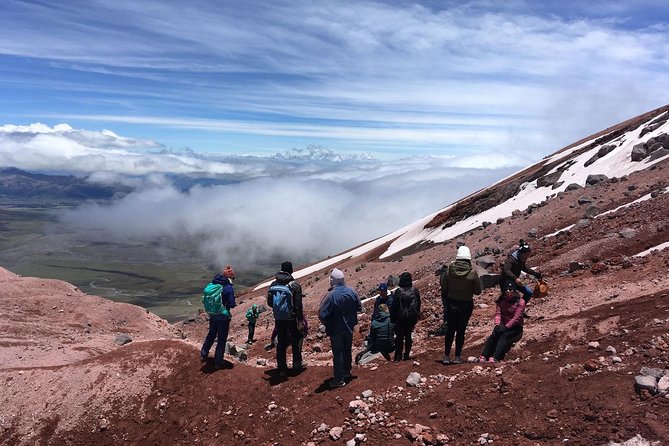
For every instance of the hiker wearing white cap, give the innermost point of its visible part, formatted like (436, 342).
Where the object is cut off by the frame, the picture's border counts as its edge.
(459, 282)
(339, 313)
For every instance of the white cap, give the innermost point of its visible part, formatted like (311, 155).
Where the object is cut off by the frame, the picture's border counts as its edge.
(336, 277)
(463, 253)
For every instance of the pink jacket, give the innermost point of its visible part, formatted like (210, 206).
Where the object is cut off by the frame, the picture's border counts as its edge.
(510, 311)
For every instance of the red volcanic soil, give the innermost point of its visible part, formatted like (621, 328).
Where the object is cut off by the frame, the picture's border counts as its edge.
(64, 381)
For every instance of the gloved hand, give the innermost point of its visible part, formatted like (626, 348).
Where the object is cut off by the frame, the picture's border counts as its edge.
(538, 275)
(519, 282)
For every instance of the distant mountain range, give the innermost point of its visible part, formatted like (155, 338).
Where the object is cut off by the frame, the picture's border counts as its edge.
(17, 183)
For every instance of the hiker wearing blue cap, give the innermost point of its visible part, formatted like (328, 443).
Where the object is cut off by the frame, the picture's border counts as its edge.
(382, 298)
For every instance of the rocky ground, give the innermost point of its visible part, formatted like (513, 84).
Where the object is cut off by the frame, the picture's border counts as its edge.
(590, 369)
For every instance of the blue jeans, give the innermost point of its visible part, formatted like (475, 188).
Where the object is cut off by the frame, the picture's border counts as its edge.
(527, 292)
(218, 328)
(341, 354)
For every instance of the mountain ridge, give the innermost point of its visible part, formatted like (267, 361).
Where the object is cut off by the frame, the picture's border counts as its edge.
(571, 379)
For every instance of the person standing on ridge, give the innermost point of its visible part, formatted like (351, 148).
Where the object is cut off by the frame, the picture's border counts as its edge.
(252, 317)
(218, 298)
(514, 265)
(404, 313)
(459, 282)
(285, 298)
(339, 313)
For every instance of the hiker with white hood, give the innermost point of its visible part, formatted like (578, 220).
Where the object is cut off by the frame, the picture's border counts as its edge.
(459, 282)
(339, 313)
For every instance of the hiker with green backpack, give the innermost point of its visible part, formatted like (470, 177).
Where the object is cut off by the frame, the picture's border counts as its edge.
(218, 298)
(252, 316)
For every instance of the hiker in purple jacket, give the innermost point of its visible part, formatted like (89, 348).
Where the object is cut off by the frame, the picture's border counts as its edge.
(508, 324)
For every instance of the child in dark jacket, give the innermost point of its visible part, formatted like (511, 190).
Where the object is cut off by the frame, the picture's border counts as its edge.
(508, 324)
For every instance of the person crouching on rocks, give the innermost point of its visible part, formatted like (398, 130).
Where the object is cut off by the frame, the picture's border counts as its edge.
(508, 324)
(514, 265)
(381, 336)
(218, 298)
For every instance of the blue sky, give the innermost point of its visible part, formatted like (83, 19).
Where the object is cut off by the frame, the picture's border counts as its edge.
(392, 78)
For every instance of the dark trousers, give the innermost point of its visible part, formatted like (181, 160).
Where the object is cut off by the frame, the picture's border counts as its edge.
(403, 340)
(219, 326)
(342, 355)
(252, 330)
(287, 333)
(458, 314)
(497, 345)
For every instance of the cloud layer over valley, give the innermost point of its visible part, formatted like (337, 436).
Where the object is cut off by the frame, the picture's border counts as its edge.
(302, 205)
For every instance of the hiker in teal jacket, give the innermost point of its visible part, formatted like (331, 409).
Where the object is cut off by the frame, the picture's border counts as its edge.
(252, 316)
(219, 323)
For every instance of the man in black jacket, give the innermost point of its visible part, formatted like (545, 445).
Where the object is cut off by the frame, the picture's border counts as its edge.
(289, 328)
(514, 264)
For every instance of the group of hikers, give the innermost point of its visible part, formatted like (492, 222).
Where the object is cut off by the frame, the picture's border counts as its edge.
(393, 319)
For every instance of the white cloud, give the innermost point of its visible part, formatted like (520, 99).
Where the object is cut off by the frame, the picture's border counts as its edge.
(259, 207)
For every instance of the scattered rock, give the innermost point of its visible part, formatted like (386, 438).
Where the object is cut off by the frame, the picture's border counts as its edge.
(413, 379)
(336, 433)
(627, 233)
(122, 339)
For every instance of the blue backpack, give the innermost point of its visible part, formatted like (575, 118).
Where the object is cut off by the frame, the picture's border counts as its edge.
(282, 302)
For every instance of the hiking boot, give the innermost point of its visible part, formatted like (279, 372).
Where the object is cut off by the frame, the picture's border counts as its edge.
(203, 358)
(405, 357)
(446, 360)
(299, 367)
(335, 384)
(458, 360)
(482, 359)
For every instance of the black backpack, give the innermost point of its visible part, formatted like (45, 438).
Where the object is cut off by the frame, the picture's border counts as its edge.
(408, 305)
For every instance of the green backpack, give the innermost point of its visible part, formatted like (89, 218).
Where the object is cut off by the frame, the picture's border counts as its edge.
(211, 299)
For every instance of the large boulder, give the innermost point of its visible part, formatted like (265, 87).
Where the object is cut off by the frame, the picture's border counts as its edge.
(658, 154)
(639, 152)
(596, 179)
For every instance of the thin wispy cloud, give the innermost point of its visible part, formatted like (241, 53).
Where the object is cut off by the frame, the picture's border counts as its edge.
(390, 77)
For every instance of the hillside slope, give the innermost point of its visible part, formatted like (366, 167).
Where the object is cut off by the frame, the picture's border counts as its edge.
(66, 381)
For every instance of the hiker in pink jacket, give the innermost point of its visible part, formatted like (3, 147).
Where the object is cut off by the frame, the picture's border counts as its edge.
(508, 324)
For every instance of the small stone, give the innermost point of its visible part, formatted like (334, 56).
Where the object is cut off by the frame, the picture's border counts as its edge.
(553, 414)
(611, 349)
(646, 382)
(413, 379)
(367, 393)
(593, 344)
(336, 432)
(616, 359)
(434, 415)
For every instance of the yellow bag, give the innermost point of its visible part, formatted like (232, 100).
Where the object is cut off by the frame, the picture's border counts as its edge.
(540, 289)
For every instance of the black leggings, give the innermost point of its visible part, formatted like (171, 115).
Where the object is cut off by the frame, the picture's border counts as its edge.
(498, 345)
(457, 315)
(403, 339)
